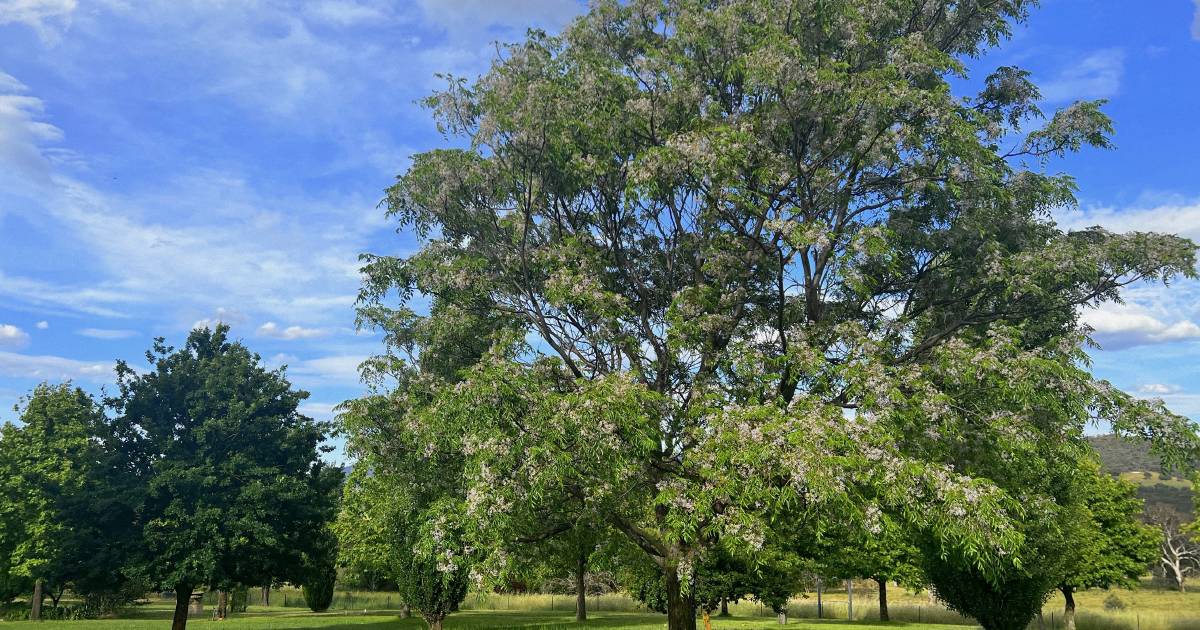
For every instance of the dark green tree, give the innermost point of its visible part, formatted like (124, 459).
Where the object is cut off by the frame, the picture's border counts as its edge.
(234, 488)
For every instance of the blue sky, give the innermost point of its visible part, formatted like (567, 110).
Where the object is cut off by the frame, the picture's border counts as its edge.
(170, 162)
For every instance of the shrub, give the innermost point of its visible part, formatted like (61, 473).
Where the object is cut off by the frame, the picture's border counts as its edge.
(318, 592)
(1113, 603)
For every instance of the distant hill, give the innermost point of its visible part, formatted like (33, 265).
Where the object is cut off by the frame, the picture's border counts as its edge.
(1119, 455)
(1132, 460)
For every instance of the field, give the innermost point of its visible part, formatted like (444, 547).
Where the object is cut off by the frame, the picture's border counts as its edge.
(1144, 609)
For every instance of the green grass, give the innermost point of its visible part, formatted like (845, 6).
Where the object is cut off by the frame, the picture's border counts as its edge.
(156, 617)
(1145, 609)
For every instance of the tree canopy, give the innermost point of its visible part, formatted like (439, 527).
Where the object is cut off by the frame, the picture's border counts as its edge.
(234, 489)
(731, 255)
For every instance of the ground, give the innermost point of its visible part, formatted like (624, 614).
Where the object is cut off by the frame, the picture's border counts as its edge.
(1146, 608)
(157, 617)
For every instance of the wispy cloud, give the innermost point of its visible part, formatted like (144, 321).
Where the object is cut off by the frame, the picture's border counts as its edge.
(54, 368)
(1097, 75)
(271, 329)
(1196, 22)
(1157, 389)
(12, 337)
(23, 134)
(107, 333)
(47, 17)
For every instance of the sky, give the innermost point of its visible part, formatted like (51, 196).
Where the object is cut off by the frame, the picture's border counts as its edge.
(172, 163)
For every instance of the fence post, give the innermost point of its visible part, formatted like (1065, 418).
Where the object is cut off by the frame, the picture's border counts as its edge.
(819, 588)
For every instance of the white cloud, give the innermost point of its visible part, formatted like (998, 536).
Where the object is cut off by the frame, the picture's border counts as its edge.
(44, 16)
(1097, 75)
(22, 135)
(52, 368)
(318, 410)
(221, 315)
(93, 300)
(1168, 216)
(106, 333)
(271, 329)
(1158, 389)
(43, 325)
(1118, 326)
(345, 12)
(331, 370)
(12, 337)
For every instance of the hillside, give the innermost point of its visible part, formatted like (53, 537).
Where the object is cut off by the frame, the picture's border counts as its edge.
(1133, 461)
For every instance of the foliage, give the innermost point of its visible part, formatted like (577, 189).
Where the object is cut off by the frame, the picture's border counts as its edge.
(318, 588)
(234, 489)
(1117, 548)
(401, 512)
(744, 264)
(64, 513)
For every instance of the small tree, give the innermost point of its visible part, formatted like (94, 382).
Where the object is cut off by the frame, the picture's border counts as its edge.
(1179, 554)
(1116, 548)
(406, 508)
(64, 519)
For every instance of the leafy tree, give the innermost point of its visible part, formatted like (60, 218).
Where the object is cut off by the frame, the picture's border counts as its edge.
(235, 491)
(729, 241)
(1179, 555)
(1118, 547)
(878, 548)
(403, 504)
(61, 490)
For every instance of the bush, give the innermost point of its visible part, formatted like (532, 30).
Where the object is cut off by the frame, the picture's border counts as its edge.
(318, 592)
(238, 599)
(1112, 603)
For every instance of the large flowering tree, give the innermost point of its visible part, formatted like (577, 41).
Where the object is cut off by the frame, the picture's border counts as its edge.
(702, 267)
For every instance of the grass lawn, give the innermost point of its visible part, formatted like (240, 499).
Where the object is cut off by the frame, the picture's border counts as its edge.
(157, 617)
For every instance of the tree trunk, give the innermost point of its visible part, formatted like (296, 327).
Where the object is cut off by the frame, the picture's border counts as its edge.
(820, 608)
(183, 596)
(405, 611)
(56, 596)
(266, 595)
(1069, 608)
(222, 604)
(850, 600)
(35, 612)
(883, 611)
(581, 587)
(681, 610)
(435, 623)
(724, 607)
